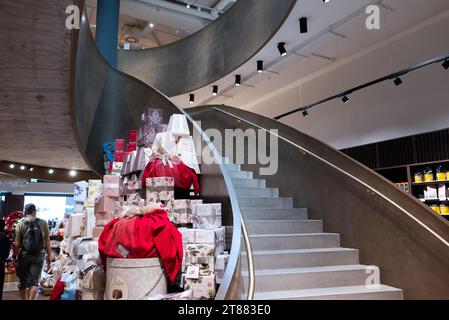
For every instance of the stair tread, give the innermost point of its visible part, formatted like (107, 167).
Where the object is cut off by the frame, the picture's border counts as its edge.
(323, 292)
(355, 267)
(287, 221)
(292, 251)
(293, 235)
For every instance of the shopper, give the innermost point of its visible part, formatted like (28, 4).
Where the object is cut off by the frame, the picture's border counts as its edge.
(31, 240)
(5, 248)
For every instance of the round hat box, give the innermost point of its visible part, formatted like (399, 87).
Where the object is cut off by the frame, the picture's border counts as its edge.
(134, 279)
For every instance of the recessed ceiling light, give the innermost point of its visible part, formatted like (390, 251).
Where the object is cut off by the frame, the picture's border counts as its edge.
(22, 167)
(31, 169)
(12, 166)
(72, 173)
(51, 171)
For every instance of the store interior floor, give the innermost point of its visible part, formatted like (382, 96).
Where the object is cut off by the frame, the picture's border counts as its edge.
(10, 292)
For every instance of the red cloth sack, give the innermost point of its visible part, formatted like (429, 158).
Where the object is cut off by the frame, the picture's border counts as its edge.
(142, 237)
(162, 167)
(58, 290)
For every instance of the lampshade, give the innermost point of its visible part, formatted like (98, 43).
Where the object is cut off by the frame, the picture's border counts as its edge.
(178, 125)
(165, 144)
(185, 149)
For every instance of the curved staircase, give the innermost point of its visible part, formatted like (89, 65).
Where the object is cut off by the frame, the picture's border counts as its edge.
(293, 257)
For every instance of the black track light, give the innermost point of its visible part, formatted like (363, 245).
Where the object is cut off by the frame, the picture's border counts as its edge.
(446, 64)
(305, 113)
(192, 98)
(215, 91)
(397, 81)
(238, 80)
(303, 27)
(345, 99)
(281, 48)
(260, 66)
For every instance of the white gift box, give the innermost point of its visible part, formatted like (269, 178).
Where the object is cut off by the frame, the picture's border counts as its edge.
(220, 267)
(213, 237)
(185, 149)
(74, 225)
(178, 125)
(203, 287)
(207, 216)
(165, 144)
(85, 246)
(80, 192)
(90, 224)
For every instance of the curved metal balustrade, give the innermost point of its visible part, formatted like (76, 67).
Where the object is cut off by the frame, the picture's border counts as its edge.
(392, 230)
(107, 103)
(211, 53)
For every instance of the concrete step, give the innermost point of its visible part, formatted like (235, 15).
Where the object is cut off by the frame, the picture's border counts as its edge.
(257, 192)
(240, 174)
(284, 226)
(253, 202)
(274, 214)
(294, 241)
(308, 278)
(381, 292)
(233, 167)
(248, 183)
(301, 258)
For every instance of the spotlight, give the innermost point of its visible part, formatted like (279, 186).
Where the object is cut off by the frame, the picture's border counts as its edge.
(22, 167)
(215, 91)
(238, 80)
(12, 166)
(188, 6)
(51, 171)
(303, 28)
(281, 48)
(326, 1)
(345, 99)
(446, 64)
(72, 173)
(260, 66)
(397, 81)
(31, 169)
(151, 25)
(305, 113)
(192, 98)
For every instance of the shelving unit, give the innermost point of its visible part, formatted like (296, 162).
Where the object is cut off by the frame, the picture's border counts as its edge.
(405, 175)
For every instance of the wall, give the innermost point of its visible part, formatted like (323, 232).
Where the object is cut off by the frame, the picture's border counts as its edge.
(381, 112)
(56, 188)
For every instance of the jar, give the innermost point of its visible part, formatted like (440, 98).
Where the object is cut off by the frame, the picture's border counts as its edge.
(436, 208)
(428, 175)
(419, 177)
(441, 174)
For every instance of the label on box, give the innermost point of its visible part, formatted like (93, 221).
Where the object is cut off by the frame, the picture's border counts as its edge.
(193, 272)
(123, 251)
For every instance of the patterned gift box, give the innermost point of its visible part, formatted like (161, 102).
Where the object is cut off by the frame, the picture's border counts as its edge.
(207, 216)
(103, 218)
(160, 189)
(220, 267)
(142, 158)
(95, 189)
(180, 211)
(111, 186)
(203, 287)
(106, 204)
(117, 168)
(214, 237)
(152, 116)
(80, 191)
(202, 255)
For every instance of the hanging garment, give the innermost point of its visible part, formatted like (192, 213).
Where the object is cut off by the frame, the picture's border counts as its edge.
(140, 237)
(185, 149)
(174, 167)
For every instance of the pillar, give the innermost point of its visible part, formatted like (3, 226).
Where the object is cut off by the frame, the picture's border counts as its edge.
(106, 34)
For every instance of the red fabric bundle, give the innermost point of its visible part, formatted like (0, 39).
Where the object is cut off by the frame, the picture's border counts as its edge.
(58, 290)
(184, 176)
(143, 237)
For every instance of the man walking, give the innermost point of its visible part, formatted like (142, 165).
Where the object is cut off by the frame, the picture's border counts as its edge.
(5, 248)
(31, 240)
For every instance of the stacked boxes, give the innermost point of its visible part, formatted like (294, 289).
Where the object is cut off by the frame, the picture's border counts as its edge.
(160, 189)
(106, 204)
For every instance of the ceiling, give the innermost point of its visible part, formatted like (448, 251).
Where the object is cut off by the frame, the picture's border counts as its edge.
(153, 23)
(343, 17)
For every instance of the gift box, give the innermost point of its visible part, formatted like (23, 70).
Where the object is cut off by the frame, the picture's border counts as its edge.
(213, 237)
(132, 138)
(132, 146)
(80, 191)
(103, 218)
(185, 232)
(106, 204)
(180, 211)
(116, 168)
(119, 145)
(207, 216)
(119, 156)
(178, 125)
(74, 225)
(95, 189)
(201, 256)
(78, 207)
(97, 231)
(203, 287)
(152, 116)
(160, 189)
(142, 158)
(220, 266)
(111, 186)
(108, 151)
(84, 246)
(89, 218)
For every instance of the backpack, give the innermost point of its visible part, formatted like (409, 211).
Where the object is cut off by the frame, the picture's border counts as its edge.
(32, 241)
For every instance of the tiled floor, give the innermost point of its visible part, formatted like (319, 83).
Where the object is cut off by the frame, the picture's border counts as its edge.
(10, 292)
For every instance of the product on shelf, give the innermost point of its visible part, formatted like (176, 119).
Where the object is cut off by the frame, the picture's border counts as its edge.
(419, 177)
(428, 175)
(441, 173)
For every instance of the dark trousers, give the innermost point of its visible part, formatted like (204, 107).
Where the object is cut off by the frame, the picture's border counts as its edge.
(2, 279)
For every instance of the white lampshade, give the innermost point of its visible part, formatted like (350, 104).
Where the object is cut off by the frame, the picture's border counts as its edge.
(185, 149)
(178, 125)
(165, 144)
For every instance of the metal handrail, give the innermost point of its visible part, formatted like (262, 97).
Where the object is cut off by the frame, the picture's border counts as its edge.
(373, 190)
(249, 256)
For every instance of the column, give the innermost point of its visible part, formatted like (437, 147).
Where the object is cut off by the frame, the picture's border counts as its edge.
(106, 34)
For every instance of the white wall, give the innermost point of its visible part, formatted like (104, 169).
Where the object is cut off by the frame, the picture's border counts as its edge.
(381, 112)
(55, 188)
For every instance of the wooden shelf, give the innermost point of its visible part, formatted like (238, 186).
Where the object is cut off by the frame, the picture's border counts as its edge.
(430, 183)
(433, 200)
